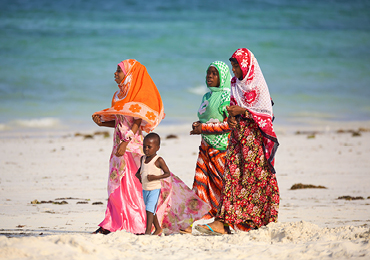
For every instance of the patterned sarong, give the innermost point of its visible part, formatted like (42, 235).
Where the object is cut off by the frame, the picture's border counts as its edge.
(250, 195)
(208, 176)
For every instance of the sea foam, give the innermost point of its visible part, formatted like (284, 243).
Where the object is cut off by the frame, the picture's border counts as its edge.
(45, 122)
(198, 90)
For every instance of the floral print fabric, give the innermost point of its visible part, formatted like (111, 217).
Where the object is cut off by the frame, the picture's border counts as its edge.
(252, 93)
(208, 179)
(178, 206)
(125, 208)
(250, 195)
(117, 165)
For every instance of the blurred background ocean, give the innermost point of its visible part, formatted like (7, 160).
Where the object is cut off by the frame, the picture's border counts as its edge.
(57, 58)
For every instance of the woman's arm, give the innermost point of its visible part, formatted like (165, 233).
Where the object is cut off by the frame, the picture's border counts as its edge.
(121, 148)
(216, 128)
(136, 125)
(236, 110)
(97, 120)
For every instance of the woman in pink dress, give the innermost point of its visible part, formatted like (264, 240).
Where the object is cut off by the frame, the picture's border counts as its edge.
(136, 107)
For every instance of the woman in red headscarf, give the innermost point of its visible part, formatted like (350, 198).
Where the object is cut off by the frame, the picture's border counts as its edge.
(136, 106)
(250, 194)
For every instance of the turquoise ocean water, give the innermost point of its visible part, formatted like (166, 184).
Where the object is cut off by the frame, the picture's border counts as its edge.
(57, 58)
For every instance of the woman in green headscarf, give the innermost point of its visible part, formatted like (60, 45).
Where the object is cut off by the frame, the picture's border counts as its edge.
(214, 129)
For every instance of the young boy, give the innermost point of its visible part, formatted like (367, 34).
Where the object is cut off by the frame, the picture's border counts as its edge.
(153, 168)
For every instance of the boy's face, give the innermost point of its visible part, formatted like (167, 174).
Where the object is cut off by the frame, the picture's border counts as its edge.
(150, 147)
(213, 79)
(119, 75)
(238, 73)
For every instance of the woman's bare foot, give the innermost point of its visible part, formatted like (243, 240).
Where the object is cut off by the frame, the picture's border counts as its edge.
(217, 226)
(187, 230)
(158, 232)
(101, 230)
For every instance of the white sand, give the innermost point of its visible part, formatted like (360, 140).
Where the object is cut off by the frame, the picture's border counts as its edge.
(313, 223)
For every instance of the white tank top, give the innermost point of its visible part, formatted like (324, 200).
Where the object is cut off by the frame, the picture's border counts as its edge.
(151, 169)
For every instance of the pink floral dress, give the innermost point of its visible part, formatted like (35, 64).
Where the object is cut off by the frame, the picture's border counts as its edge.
(125, 209)
(178, 205)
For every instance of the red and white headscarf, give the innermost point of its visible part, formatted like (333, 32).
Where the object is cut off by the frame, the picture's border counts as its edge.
(252, 93)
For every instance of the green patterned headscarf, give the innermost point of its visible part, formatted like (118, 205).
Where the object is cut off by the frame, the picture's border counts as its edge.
(213, 106)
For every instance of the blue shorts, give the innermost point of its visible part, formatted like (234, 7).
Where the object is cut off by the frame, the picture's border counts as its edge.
(151, 199)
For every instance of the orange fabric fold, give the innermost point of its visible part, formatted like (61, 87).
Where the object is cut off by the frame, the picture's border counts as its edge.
(137, 96)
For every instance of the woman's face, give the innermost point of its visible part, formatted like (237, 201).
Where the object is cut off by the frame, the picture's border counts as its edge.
(238, 73)
(213, 79)
(119, 75)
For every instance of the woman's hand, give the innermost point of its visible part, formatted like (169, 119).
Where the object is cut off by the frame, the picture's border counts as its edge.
(121, 149)
(235, 110)
(231, 121)
(97, 119)
(150, 177)
(197, 128)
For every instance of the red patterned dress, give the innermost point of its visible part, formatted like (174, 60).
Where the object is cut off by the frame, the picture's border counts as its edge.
(250, 198)
(250, 195)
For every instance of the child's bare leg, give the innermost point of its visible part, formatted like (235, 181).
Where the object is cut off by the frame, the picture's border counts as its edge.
(149, 222)
(158, 229)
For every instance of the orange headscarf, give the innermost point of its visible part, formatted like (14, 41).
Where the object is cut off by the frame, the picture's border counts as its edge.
(137, 97)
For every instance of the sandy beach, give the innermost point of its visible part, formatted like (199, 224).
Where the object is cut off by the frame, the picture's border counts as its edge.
(53, 195)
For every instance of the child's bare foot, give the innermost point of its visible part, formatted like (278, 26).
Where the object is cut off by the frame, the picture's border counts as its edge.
(158, 232)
